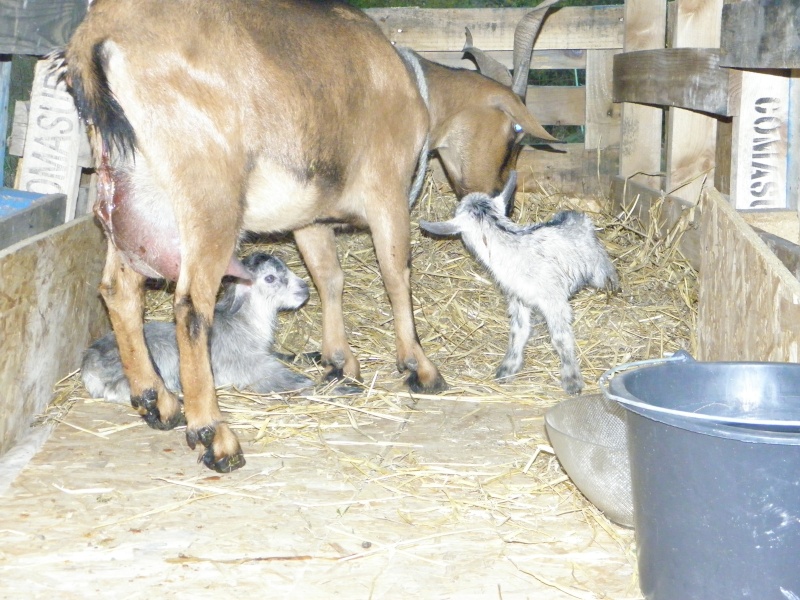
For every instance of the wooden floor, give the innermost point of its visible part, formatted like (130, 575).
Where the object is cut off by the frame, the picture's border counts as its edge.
(114, 512)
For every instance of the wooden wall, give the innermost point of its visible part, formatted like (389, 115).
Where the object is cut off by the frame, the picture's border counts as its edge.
(50, 310)
(749, 305)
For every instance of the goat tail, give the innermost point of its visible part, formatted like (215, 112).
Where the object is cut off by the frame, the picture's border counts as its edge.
(83, 66)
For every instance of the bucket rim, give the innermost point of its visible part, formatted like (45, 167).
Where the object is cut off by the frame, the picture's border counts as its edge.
(682, 357)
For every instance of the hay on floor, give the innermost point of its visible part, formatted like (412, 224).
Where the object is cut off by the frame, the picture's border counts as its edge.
(463, 327)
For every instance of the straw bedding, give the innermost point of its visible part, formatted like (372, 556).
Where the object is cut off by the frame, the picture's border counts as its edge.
(463, 327)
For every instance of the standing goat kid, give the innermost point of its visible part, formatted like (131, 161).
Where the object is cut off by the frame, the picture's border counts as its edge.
(241, 339)
(538, 267)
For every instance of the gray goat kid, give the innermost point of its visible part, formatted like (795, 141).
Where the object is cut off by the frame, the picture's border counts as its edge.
(241, 339)
(538, 267)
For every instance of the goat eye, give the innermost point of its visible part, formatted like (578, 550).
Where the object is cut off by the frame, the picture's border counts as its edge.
(270, 278)
(517, 128)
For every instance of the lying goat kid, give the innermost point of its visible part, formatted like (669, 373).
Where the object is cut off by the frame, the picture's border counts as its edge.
(241, 339)
(538, 267)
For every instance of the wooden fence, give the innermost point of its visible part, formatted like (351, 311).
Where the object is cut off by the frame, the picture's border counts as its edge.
(570, 38)
(710, 99)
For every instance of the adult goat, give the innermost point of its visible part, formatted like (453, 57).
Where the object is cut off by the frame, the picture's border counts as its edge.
(214, 117)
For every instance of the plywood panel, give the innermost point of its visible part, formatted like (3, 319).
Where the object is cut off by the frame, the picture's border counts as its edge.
(50, 310)
(749, 302)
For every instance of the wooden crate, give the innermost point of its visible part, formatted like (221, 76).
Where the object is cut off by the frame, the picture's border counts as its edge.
(50, 310)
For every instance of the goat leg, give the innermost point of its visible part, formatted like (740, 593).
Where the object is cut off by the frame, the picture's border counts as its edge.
(390, 236)
(558, 316)
(518, 334)
(122, 289)
(317, 244)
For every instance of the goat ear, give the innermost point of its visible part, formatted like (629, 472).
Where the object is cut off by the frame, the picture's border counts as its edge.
(505, 200)
(519, 113)
(233, 296)
(441, 227)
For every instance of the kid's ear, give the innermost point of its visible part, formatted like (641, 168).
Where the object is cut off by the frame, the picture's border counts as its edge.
(233, 296)
(446, 228)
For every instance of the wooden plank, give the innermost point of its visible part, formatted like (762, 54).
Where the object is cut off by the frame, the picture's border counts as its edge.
(573, 170)
(749, 302)
(19, 128)
(787, 252)
(542, 59)
(441, 29)
(722, 159)
(683, 77)
(761, 135)
(53, 140)
(51, 310)
(781, 223)
(602, 115)
(5, 86)
(24, 214)
(692, 136)
(558, 105)
(761, 35)
(38, 26)
(670, 214)
(640, 143)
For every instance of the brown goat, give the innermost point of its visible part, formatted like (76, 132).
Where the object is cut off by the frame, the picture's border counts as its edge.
(479, 118)
(214, 117)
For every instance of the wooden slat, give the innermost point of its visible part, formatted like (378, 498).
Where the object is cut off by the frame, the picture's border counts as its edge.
(602, 115)
(439, 29)
(683, 77)
(38, 26)
(557, 105)
(759, 35)
(749, 302)
(51, 310)
(5, 86)
(760, 145)
(542, 59)
(53, 140)
(640, 144)
(691, 139)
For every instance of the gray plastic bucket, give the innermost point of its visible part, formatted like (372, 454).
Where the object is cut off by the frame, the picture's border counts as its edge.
(715, 469)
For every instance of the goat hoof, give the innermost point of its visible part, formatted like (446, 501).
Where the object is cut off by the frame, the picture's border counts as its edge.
(226, 462)
(573, 387)
(416, 385)
(148, 402)
(333, 374)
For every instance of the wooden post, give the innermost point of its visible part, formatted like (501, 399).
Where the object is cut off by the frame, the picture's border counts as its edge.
(602, 115)
(53, 140)
(5, 84)
(691, 143)
(640, 146)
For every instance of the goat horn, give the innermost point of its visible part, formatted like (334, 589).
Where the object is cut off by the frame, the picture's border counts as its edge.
(488, 66)
(524, 35)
